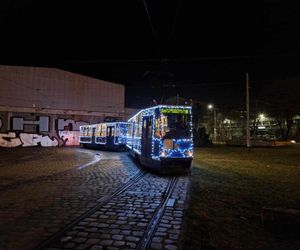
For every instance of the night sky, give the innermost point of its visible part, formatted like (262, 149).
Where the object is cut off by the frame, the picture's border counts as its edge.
(157, 49)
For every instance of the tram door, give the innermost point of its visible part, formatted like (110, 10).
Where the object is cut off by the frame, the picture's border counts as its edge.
(147, 137)
(110, 135)
(93, 135)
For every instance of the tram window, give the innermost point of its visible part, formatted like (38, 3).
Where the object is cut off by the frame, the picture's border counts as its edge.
(103, 130)
(98, 130)
(112, 131)
(173, 125)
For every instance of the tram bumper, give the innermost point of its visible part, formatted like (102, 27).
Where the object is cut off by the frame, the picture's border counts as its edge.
(176, 162)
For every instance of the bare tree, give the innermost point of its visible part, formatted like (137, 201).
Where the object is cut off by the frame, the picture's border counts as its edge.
(281, 100)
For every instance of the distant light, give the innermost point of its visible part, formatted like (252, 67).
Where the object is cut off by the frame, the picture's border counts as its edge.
(261, 127)
(293, 141)
(262, 116)
(210, 106)
(226, 120)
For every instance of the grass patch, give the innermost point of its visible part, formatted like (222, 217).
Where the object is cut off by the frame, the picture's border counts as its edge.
(229, 188)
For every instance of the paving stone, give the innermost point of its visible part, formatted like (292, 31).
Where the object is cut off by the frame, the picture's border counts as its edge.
(161, 229)
(132, 238)
(91, 229)
(137, 233)
(66, 238)
(82, 234)
(131, 245)
(157, 239)
(112, 248)
(119, 243)
(121, 222)
(97, 247)
(92, 241)
(165, 225)
(106, 242)
(167, 241)
(94, 235)
(117, 237)
(105, 236)
(102, 225)
(70, 245)
(82, 246)
(79, 240)
(125, 232)
(171, 247)
(115, 231)
(155, 245)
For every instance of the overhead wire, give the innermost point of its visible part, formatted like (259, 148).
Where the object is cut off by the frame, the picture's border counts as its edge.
(173, 27)
(152, 27)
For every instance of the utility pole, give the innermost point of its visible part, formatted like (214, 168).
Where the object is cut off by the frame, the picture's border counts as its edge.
(211, 107)
(248, 112)
(215, 125)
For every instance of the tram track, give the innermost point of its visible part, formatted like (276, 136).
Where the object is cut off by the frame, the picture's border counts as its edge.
(101, 202)
(145, 239)
(148, 235)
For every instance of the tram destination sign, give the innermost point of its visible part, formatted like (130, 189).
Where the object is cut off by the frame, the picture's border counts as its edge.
(174, 111)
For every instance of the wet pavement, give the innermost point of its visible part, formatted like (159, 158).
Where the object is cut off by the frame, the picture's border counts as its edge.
(73, 198)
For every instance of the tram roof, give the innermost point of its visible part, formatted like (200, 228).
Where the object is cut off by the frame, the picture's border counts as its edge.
(162, 106)
(107, 123)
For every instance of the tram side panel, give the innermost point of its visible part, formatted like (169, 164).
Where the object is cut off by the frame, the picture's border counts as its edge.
(86, 135)
(156, 142)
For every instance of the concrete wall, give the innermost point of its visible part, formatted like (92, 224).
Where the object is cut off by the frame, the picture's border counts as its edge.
(49, 88)
(45, 107)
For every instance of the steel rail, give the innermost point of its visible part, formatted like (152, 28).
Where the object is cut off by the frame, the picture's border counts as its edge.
(147, 237)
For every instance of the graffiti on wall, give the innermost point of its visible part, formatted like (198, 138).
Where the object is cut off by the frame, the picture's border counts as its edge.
(41, 124)
(36, 140)
(69, 124)
(69, 138)
(9, 140)
(12, 140)
(67, 133)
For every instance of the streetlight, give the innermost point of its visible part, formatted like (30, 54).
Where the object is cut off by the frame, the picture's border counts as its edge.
(262, 116)
(211, 107)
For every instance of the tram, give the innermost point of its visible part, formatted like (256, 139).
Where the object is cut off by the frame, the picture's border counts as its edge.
(161, 136)
(107, 135)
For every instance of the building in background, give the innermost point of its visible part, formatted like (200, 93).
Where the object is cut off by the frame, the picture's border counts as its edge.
(46, 106)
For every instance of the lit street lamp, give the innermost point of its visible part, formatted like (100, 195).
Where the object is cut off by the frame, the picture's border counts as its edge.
(211, 107)
(262, 116)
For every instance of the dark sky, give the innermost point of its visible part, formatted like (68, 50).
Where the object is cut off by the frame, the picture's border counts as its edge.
(157, 48)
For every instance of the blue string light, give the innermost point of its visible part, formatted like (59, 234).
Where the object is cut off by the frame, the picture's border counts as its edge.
(177, 148)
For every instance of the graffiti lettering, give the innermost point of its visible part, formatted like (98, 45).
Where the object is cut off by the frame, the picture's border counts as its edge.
(71, 124)
(67, 131)
(9, 140)
(42, 123)
(34, 140)
(70, 138)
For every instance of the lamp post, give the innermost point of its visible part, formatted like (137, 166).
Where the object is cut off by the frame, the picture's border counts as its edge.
(211, 107)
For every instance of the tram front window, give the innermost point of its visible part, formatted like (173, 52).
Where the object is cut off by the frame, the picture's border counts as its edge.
(175, 126)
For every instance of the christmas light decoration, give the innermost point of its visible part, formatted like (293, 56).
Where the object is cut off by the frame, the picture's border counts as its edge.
(157, 121)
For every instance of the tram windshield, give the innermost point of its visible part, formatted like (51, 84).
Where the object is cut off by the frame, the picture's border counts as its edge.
(172, 125)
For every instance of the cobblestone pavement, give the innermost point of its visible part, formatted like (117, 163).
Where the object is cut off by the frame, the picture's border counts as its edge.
(42, 203)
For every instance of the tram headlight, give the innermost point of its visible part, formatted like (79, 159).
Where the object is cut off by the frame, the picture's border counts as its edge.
(164, 153)
(188, 153)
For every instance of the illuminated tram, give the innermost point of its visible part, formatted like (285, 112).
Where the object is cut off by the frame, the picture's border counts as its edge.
(107, 135)
(161, 136)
